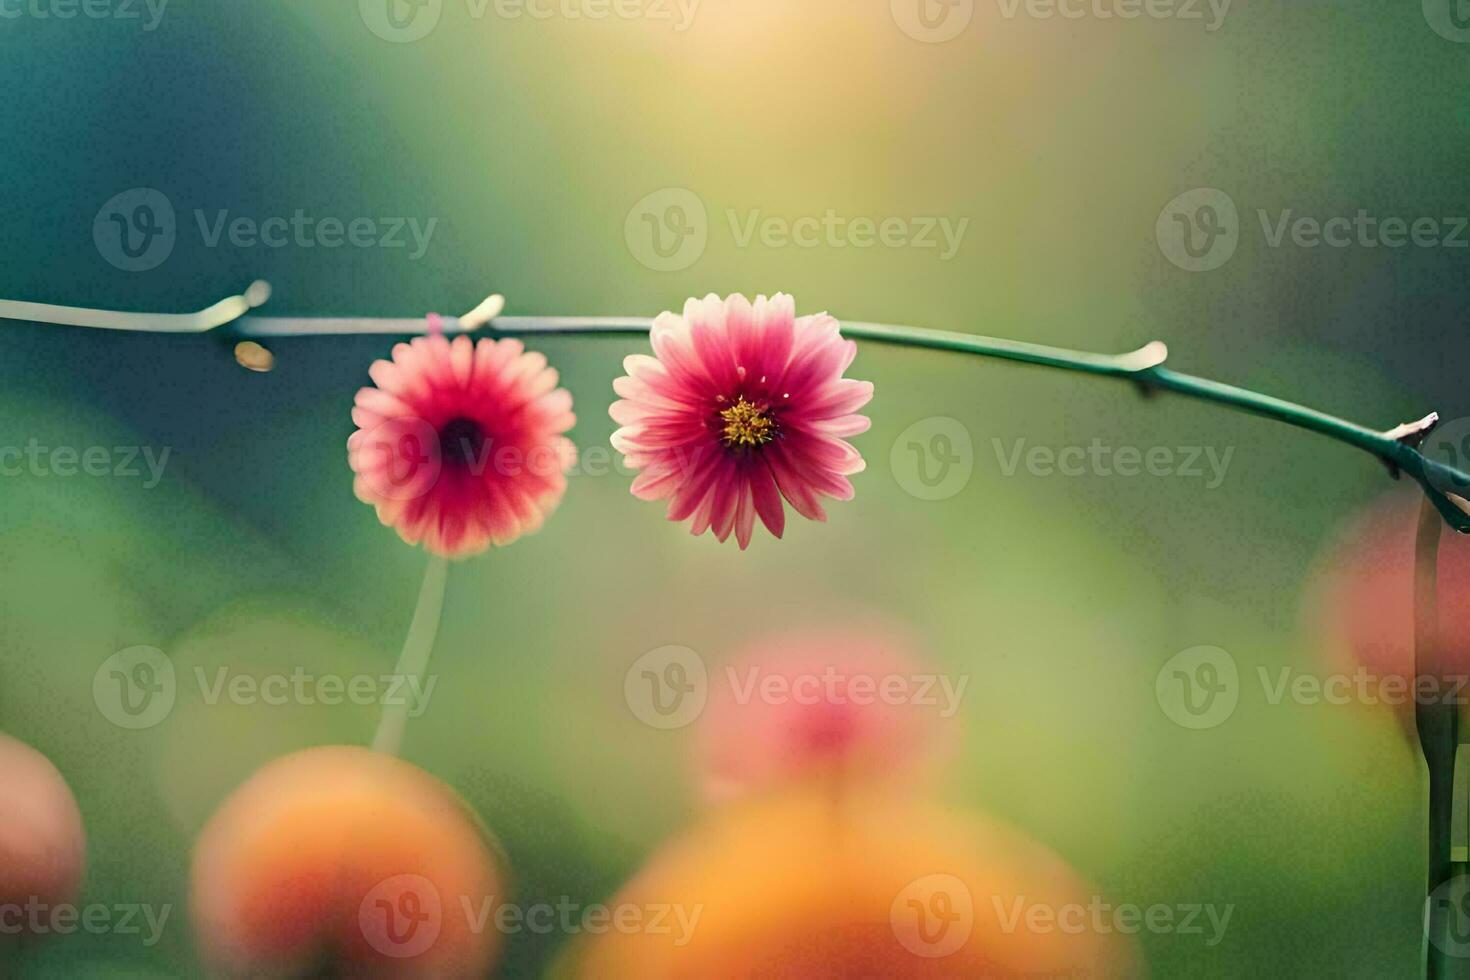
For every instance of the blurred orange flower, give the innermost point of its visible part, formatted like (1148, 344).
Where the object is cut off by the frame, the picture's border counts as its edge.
(786, 887)
(349, 860)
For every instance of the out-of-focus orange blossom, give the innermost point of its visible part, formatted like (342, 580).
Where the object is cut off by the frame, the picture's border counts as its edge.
(347, 861)
(794, 886)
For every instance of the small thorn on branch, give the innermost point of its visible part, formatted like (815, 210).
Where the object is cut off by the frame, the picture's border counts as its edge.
(488, 310)
(1150, 355)
(1147, 357)
(1411, 434)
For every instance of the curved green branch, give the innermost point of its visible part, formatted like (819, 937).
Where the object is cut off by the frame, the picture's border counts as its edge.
(1445, 486)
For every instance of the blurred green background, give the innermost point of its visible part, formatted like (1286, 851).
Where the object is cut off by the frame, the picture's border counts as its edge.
(532, 143)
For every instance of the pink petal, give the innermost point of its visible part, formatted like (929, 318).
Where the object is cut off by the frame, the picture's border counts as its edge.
(767, 500)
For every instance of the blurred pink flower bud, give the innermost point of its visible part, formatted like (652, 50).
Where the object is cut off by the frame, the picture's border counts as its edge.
(838, 705)
(43, 846)
(1360, 602)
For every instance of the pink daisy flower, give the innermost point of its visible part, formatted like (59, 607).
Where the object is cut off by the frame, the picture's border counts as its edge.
(460, 445)
(743, 404)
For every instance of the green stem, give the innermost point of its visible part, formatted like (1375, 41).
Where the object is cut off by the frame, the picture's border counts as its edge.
(1396, 448)
(1438, 724)
(414, 659)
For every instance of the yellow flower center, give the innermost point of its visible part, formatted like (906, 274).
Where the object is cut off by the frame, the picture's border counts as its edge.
(747, 424)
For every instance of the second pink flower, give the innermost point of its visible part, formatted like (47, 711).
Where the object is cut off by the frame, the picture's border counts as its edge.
(743, 404)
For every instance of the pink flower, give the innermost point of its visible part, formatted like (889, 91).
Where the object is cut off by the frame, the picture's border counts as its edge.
(742, 405)
(460, 445)
(849, 704)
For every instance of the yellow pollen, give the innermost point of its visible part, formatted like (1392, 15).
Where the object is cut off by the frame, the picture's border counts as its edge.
(747, 424)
